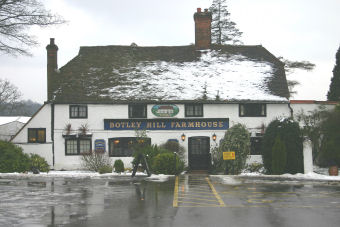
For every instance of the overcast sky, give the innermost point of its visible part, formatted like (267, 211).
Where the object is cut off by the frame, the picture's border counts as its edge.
(295, 29)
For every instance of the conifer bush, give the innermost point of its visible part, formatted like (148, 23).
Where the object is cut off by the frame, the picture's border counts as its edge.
(167, 163)
(330, 145)
(118, 166)
(236, 139)
(291, 135)
(279, 156)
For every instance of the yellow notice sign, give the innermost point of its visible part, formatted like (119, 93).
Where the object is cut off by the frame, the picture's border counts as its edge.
(229, 155)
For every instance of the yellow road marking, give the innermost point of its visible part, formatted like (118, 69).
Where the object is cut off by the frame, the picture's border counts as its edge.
(175, 202)
(205, 204)
(194, 198)
(199, 196)
(215, 192)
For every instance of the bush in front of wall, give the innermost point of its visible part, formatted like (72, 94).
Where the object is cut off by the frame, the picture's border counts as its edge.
(174, 146)
(149, 152)
(105, 169)
(279, 157)
(12, 158)
(330, 145)
(38, 164)
(236, 139)
(255, 167)
(94, 160)
(118, 166)
(167, 163)
(291, 135)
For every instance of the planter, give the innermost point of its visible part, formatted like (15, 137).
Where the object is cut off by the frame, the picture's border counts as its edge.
(333, 171)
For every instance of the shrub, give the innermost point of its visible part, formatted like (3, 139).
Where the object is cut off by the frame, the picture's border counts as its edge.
(94, 160)
(149, 152)
(38, 164)
(12, 159)
(330, 145)
(174, 146)
(279, 156)
(119, 166)
(255, 167)
(291, 135)
(105, 169)
(167, 163)
(236, 139)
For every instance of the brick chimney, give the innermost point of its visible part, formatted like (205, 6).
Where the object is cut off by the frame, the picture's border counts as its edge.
(52, 66)
(202, 29)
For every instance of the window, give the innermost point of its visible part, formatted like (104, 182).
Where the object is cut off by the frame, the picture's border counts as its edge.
(194, 110)
(255, 145)
(137, 111)
(77, 146)
(37, 135)
(78, 111)
(252, 110)
(123, 146)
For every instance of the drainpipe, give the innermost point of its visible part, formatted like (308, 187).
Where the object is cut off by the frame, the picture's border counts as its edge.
(291, 111)
(52, 132)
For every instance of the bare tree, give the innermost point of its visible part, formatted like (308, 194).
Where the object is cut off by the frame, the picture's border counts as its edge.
(9, 94)
(16, 17)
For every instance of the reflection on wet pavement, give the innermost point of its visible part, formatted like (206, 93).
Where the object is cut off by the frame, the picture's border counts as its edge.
(188, 200)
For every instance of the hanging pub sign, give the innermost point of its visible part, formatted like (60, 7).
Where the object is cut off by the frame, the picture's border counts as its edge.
(99, 145)
(165, 110)
(167, 124)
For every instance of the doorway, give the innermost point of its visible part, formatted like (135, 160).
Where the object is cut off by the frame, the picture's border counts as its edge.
(199, 153)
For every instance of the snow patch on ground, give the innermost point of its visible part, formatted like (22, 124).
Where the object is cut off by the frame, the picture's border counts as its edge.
(70, 174)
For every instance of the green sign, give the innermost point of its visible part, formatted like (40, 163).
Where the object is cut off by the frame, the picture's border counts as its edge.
(165, 110)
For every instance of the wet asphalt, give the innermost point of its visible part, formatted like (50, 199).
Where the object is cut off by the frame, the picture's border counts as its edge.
(188, 200)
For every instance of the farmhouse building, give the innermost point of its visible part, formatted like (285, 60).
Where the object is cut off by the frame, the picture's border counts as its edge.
(190, 94)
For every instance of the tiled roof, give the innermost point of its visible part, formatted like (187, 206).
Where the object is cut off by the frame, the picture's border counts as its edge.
(122, 73)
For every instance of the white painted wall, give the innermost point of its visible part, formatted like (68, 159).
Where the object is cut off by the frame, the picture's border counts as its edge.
(42, 119)
(97, 114)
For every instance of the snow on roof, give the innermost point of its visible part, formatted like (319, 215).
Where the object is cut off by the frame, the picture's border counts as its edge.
(230, 77)
(6, 120)
(172, 73)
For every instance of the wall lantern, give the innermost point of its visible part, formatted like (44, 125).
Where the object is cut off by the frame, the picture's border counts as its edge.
(214, 137)
(183, 137)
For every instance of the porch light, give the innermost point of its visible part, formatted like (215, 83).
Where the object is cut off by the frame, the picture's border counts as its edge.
(214, 137)
(183, 137)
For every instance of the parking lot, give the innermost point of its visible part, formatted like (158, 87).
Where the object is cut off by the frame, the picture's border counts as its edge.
(187, 200)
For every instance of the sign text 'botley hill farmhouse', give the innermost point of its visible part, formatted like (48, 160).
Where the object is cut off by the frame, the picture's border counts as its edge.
(179, 93)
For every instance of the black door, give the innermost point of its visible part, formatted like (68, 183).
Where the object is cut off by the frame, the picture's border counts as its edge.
(199, 155)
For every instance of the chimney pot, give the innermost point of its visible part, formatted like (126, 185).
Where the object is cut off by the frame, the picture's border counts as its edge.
(52, 41)
(199, 10)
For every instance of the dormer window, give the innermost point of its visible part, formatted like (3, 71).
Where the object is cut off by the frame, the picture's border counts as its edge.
(137, 111)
